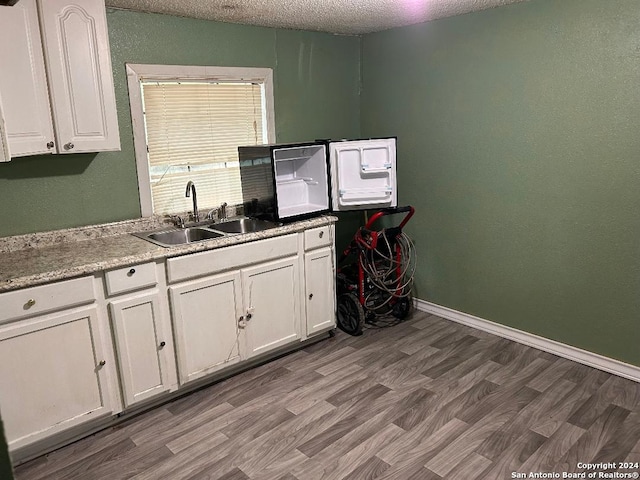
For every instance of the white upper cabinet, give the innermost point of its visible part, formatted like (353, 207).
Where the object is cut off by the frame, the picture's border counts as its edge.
(23, 81)
(69, 106)
(76, 46)
(4, 141)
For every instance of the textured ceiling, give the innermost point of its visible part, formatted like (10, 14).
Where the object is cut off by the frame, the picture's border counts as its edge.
(335, 16)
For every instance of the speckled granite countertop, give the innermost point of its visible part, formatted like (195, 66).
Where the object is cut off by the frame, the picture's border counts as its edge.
(60, 256)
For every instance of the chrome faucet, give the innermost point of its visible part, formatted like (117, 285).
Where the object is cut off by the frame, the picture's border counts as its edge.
(221, 212)
(191, 189)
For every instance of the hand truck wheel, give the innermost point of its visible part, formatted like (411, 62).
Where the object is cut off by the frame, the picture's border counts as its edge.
(402, 308)
(350, 314)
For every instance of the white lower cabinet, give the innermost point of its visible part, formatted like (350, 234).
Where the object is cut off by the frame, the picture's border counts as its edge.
(54, 375)
(320, 290)
(143, 346)
(205, 314)
(223, 319)
(63, 363)
(272, 310)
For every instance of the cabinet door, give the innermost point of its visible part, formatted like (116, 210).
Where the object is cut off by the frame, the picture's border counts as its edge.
(23, 82)
(320, 281)
(53, 375)
(205, 316)
(76, 46)
(4, 141)
(272, 309)
(143, 347)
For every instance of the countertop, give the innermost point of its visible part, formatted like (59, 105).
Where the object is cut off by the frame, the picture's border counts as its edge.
(71, 257)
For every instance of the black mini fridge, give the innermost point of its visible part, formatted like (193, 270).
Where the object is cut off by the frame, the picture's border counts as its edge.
(285, 182)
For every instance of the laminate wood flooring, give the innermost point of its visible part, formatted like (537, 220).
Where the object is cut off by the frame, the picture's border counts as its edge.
(426, 399)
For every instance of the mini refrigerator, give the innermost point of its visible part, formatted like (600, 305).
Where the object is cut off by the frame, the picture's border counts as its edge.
(286, 182)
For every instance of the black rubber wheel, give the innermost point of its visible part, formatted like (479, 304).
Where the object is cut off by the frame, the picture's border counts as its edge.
(402, 308)
(350, 314)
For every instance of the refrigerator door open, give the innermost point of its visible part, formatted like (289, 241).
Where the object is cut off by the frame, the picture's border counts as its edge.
(363, 174)
(284, 182)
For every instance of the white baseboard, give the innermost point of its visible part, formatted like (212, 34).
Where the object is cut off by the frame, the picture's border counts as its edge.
(585, 357)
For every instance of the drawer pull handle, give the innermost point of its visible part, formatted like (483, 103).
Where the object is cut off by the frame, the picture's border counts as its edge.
(30, 303)
(102, 363)
(310, 296)
(131, 272)
(162, 344)
(321, 234)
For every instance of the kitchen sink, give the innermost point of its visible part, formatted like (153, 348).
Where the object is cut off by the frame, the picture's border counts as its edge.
(181, 236)
(244, 225)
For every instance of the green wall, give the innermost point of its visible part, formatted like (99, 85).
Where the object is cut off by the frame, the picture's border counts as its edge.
(518, 145)
(316, 89)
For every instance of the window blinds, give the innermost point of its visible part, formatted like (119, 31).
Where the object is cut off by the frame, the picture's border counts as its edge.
(193, 133)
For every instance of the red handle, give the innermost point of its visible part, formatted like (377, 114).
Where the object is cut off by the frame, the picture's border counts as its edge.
(391, 211)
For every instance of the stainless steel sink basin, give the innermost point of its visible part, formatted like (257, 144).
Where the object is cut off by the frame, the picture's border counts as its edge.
(244, 225)
(183, 236)
(179, 236)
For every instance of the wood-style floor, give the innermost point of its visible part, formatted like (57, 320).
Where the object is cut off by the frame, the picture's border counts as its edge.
(426, 399)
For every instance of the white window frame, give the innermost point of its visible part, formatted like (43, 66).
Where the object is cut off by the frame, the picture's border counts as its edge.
(136, 73)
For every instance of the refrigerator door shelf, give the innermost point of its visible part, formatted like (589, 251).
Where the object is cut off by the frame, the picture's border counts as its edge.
(357, 198)
(368, 169)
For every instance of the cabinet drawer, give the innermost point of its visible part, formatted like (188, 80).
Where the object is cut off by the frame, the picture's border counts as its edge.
(46, 298)
(131, 278)
(317, 237)
(221, 259)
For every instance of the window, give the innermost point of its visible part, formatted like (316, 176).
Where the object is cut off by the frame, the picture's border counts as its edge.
(188, 123)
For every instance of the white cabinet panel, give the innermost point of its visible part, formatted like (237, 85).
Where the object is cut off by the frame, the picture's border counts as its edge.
(23, 81)
(271, 302)
(54, 368)
(320, 283)
(38, 300)
(4, 140)
(218, 260)
(205, 316)
(141, 344)
(318, 237)
(78, 60)
(130, 278)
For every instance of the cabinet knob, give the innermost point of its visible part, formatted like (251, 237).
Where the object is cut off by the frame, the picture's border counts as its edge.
(69, 146)
(321, 234)
(310, 296)
(102, 363)
(162, 344)
(50, 145)
(249, 315)
(30, 303)
(131, 272)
